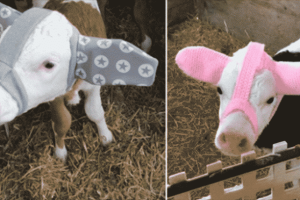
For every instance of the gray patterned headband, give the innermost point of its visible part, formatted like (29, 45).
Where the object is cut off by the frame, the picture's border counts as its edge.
(97, 60)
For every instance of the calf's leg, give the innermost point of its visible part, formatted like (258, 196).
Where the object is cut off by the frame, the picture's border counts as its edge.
(95, 112)
(61, 122)
(141, 15)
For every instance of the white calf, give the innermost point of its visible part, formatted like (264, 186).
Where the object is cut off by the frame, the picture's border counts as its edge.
(43, 69)
(251, 86)
(39, 67)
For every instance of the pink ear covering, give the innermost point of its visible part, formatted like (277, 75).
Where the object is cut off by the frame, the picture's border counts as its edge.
(287, 78)
(202, 63)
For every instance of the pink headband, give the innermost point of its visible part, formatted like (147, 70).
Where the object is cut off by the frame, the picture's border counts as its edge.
(207, 65)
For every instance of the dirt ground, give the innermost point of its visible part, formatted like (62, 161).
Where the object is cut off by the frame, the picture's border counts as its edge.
(193, 105)
(131, 168)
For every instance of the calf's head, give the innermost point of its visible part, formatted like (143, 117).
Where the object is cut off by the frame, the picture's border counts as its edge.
(42, 54)
(35, 55)
(250, 85)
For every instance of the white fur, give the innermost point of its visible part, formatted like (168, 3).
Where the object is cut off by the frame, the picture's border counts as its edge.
(75, 100)
(61, 153)
(94, 111)
(235, 135)
(146, 44)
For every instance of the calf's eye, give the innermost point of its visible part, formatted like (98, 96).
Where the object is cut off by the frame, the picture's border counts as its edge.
(219, 90)
(270, 100)
(49, 65)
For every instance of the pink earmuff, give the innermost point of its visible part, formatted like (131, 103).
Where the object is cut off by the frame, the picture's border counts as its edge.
(202, 63)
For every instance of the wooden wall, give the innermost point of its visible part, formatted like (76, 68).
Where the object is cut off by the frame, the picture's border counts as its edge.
(178, 10)
(275, 23)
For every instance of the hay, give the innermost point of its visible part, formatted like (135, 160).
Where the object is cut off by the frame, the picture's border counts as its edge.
(193, 105)
(131, 168)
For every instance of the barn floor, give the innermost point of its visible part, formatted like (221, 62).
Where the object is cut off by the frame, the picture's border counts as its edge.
(193, 106)
(131, 168)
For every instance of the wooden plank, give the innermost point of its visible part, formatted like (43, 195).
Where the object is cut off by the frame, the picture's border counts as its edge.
(177, 178)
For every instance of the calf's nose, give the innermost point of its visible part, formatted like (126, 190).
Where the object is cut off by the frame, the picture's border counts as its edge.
(232, 142)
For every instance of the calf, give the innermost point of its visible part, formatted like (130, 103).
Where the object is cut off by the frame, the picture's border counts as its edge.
(250, 85)
(45, 58)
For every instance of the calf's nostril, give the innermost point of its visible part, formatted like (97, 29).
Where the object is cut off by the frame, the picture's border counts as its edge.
(233, 140)
(223, 138)
(243, 142)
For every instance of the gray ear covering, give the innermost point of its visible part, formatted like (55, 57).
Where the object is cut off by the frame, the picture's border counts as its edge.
(113, 62)
(7, 16)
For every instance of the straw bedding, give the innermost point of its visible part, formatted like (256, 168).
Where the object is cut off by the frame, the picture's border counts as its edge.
(131, 168)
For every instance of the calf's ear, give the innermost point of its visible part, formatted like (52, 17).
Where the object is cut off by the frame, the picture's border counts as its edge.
(202, 63)
(287, 78)
(114, 62)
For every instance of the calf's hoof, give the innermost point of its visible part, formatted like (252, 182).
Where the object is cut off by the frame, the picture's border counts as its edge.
(73, 100)
(61, 153)
(106, 138)
(146, 44)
